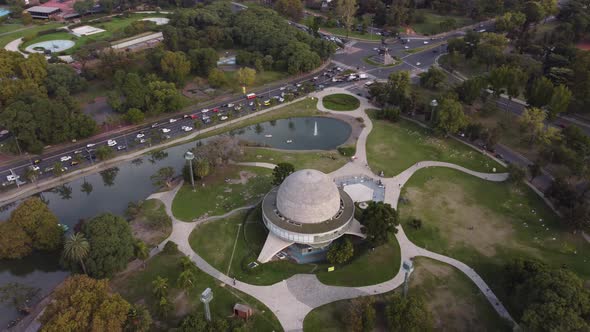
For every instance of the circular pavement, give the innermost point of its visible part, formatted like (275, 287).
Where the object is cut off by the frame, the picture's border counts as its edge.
(55, 46)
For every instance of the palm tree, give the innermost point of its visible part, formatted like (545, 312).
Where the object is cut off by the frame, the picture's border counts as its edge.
(186, 263)
(76, 249)
(185, 279)
(141, 251)
(160, 287)
(31, 174)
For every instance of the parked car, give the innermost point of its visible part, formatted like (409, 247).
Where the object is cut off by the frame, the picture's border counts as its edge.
(165, 130)
(140, 135)
(111, 142)
(65, 158)
(187, 128)
(121, 147)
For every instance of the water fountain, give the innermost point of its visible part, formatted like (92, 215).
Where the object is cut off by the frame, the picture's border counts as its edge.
(315, 129)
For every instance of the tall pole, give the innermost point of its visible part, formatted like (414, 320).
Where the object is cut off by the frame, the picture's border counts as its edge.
(406, 279)
(192, 176)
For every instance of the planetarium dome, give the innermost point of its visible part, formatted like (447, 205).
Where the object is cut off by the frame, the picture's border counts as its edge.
(308, 196)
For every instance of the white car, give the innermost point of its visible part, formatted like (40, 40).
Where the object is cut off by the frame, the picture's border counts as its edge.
(375, 49)
(121, 147)
(187, 128)
(223, 118)
(34, 168)
(140, 135)
(173, 120)
(111, 142)
(425, 42)
(418, 63)
(155, 125)
(281, 100)
(65, 158)
(230, 105)
(90, 145)
(165, 130)
(12, 177)
(406, 47)
(283, 88)
(141, 141)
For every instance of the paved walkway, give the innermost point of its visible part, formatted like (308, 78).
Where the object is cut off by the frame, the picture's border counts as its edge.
(292, 299)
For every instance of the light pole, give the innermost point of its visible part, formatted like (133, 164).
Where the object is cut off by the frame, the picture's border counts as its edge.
(206, 298)
(190, 156)
(433, 105)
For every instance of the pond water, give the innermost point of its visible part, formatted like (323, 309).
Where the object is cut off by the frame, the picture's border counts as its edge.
(309, 133)
(113, 189)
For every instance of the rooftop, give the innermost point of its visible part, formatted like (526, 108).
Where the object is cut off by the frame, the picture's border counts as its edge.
(43, 9)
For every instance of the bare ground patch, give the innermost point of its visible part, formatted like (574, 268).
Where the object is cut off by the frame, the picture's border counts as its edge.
(463, 221)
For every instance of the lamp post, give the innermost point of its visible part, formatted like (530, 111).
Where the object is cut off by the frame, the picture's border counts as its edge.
(206, 298)
(190, 156)
(408, 268)
(433, 105)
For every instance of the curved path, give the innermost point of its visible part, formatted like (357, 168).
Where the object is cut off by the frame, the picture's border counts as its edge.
(292, 299)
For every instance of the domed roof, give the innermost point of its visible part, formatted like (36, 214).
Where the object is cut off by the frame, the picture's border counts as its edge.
(308, 196)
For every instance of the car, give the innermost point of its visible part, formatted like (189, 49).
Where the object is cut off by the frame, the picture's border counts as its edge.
(121, 147)
(34, 168)
(425, 42)
(375, 49)
(230, 105)
(78, 151)
(48, 169)
(298, 85)
(165, 130)
(111, 142)
(284, 87)
(223, 118)
(74, 163)
(418, 63)
(155, 125)
(36, 161)
(143, 140)
(281, 100)
(166, 136)
(65, 158)
(315, 78)
(204, 110)
(173, 120)
(187, 128)
(406, 47)
(12, 177)
(206, 120)
(267, 102)
(251, 103)
(89, 145)
(140, 135)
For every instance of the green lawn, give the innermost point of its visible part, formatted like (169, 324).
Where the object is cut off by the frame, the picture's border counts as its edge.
(486, 224)
(393, 147)
(370, 61)
(455, 303)
(6, 28)
(262, 78)
(152, 225)
(215, 241)
(136, 287)
(432, 21)
(467, 67)
(325, 161)
(217, 196)
(341, 102)
(5, 39)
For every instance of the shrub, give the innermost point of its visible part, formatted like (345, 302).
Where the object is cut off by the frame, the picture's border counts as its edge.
(347, 151)
(415, 223)
(170, 248)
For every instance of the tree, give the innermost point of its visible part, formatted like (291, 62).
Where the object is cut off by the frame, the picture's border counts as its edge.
(138, 319)
(534, 12)
(450, 117)
(380, 220)
(540, 92)
(203, 60)
(107, 5)
(346, 9)
(31, 174)
(535, 170)
(186, 279)
(516, 173)
(76, 249)
(111, 244)
(508, 78)
(432, 78)
(470, 89)
(39, 223)
(408, 314)
(202, 167)
(216, 78)
(83, 6)
(280, 173)
(361, 314)
(560, 100)
(141, 251)
(26, 18)
(104, 152)
(175, 66)
(160, 287)
(246, 76)
(511, 22)
(341, 251)
(532, 124)
(81, 303)
(14, 242)
(58, 169)
(163, 177)
(134, 116)
(292, 9)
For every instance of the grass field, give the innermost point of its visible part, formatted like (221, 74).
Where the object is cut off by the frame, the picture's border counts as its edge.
(325, 161)
(486, 225)
(215, 196)
(215, 242)
(467, 67)
(341, 102)
(341, 32)
(152, 225)
(455, 303)
(432, 22)
(6, 28)
(7, 38)
(262, 78)
(393, 147)
(136, 287)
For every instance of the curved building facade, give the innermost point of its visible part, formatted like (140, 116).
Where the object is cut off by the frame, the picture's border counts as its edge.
(307, 209)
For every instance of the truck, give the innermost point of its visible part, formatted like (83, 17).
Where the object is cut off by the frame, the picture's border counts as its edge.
(362, 76)
(251, 96)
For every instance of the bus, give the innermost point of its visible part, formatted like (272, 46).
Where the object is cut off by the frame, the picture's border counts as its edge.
(251, 96)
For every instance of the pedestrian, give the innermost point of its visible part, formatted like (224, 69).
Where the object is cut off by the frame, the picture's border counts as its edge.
(234, 281)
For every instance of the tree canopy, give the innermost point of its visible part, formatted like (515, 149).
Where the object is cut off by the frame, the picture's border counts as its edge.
(111, 245)
(380, 220)
(81, 303)
(408, 314)
(280, 173)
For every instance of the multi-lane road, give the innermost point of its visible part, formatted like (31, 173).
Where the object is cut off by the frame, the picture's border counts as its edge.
(84, 153)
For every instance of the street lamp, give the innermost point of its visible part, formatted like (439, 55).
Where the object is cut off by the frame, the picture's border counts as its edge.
(433, 105)
(206, 298)
(190, 156)
(408, 268)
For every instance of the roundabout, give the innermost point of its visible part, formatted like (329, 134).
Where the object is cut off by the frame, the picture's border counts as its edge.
(301, 293)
